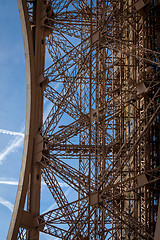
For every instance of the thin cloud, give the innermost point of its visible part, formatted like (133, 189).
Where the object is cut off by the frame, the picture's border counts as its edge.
(6, 203)
(13, 183)
(11, 133)
(18, 141)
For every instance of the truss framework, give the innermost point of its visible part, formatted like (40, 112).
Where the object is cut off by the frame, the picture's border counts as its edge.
(104, 78)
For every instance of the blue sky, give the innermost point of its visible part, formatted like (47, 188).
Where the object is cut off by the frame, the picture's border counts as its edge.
(12, 108)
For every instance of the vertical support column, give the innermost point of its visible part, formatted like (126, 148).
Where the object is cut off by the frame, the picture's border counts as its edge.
(35, 175)
(90, 110)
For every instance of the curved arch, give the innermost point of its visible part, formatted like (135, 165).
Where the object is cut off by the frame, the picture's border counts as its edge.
(29, 125)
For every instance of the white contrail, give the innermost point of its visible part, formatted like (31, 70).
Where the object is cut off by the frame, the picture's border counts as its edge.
(15, 183)
(18, 141)
(11, 133)
(6, 203)
(6, 182)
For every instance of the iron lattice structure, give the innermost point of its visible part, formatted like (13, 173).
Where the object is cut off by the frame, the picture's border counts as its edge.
(105, 61)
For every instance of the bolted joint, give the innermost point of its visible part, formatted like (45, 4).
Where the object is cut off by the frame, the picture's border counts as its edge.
(41, 151)
(28, 220)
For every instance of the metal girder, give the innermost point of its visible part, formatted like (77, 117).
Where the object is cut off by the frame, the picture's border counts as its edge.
(21, 234)
(54, 231)
(66, 62)
(57, 111)
(132, 148)
(57, 193)
(71, 109)
(69, 131)
(56, 215)
(125, 47)
(140, 232)
(68, 174)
